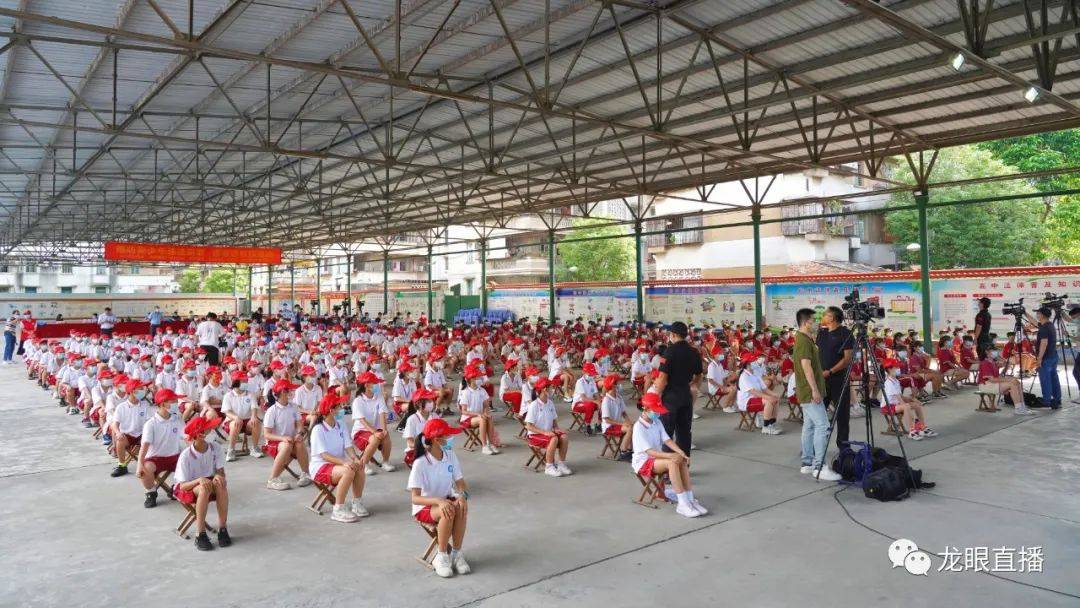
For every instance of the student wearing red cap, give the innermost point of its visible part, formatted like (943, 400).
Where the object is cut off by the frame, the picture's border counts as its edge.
(404, 385)
(212, 394)
(285, 437)
(369, 430)
(440, 496)
(542, 424)
(420, 411)
(721, 382)
(475, 405)
(127, 423)
(239, 410)
(200, 478)
(754, 396)
(334, 461)
(161, 443)
(585, 392)
(990, 376)
(650, 458)
(559, 373)
(615, 422)
(510, 386)
(896, 403)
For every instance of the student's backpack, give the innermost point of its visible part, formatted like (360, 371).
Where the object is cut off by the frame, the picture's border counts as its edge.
(854, 462)
(1030, 400)
(912, 477)
(885, 484)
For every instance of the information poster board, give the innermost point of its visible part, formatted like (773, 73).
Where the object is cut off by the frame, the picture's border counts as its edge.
(955, 300)
(133, 306)
(524, 303)
(597, 303)
(416, 302)
(900, 299)
(702, 304)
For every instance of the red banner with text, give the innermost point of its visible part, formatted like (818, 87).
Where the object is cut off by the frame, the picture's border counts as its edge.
(120, 251)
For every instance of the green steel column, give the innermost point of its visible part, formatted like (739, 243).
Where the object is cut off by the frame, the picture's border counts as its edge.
(430, 296)
(318, 286)
(639, 272)
(921, 199)
(348, 279)
(270, 291)
(551, 276)
(251, 283)
(759, 317)
(292, 283)
(483, 277)
(386, 283)
(236, 303)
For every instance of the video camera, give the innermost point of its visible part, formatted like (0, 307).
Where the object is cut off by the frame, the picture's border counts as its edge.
(861, 311)
(1054, 301)
(1015, 309)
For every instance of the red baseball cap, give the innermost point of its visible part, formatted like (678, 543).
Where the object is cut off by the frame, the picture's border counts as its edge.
(163, 395)
(329, 402)
(651, 402)
(541, 384)
(611, 380)
(589, 369)
(199, 425)
(368, 378)
(308, 370)
(437, 427)
(423, 394)
(890, 363)
(283, 384)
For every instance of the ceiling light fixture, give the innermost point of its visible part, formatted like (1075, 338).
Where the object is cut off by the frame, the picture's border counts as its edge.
(1032, 94)
(958, 61)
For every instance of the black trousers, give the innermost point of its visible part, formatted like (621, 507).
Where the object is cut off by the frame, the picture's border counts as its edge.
(842, 402)
(680, 405)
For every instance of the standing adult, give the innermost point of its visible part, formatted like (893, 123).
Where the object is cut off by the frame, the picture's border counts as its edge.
(835, 344)
(680, 369)
(209, 334)
(11, 328)
(983, 339)
(106, 322)
(27, 324)
(1074, 317)
(1046, 358)
(154, 317)
(297, 318)
(809, 391)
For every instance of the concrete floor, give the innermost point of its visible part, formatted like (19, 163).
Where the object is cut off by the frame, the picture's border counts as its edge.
(71, 535)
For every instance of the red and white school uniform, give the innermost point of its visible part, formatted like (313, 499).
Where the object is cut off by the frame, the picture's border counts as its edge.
(647, 436)
(402, 393)
(585, 397)
(893, 392)
(240, 405)
(130, 418)
(744, 399)
(326, 439)
(435, 479)
(716, 374)
(193, 464)
(280, 419)
(414, 425)
(308, 398)
(510, 391)
(471, 401)
(164, 440)
(613, 408)
(542, 415)
(987, 370)
(166, 380)
(213, 392)
(370, 410)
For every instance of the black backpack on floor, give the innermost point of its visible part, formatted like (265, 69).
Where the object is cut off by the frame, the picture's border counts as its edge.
(886, 485)
(912, 477)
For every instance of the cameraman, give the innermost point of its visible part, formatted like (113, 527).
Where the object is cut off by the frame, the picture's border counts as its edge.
(983, 341)
(1046, 357)
(836, 343)
(1074, 318)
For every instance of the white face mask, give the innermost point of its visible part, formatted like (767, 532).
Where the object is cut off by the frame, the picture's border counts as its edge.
(190, 373)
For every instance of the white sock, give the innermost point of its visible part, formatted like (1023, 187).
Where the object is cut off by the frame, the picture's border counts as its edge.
(690, 495)
(562, 463)
(453, 552)
(684, 498)
(444, 554)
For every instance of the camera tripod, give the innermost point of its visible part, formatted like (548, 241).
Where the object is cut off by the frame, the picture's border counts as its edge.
(863, 355)
(1064, 345)
(1018, 340)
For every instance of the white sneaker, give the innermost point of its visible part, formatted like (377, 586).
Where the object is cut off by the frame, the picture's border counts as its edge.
(827, 474)
(696, 416)
(857, 411)
(495, 450)
(389, 468)
(699, 507)
(804, 469)
(772, 429)
(687, 510)
(256, 452)
(567, 399)
(358, 508)
(304, 481)
(460, 565)
(487, 450)
(759, 420)
(442, 565)
(276, 483)
(915, 436)
(731, 409)
(230, 455)
(565, 470)
(1023, 411)
(343, 514)
(370, 470)
(552, 471)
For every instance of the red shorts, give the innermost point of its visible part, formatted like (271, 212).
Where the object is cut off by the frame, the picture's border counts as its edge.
(888, 410)
(164, 463)
(614, 430)
(465, 418)
(271, 448)
(755, 405)
(186, 496)
(361, 439)
(541, 441)
(410, 456)
(245, 426)
(424, 516)
(323, 475)
(646, 469)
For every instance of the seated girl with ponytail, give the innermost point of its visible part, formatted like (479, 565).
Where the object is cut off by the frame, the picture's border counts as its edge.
(369, 431)
(284, 434)
(439, 495)
(651, 459)
(334, 461)
(420, 411)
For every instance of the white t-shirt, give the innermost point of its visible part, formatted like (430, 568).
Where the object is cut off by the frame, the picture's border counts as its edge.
(435, 478)
(308, 398)
(584, 389)
(370, 409)
(893, 390)
(281, 419)
(208, 391)
(647, 436)
(613, 408)
(130, 417)
(509, 384)
(326, 439)
(472, 400)
(414, 425)
(239, 404)
(747, 381)
(194, 464)
(434, 379)
(163, 435)
(541, 414)
(209, 332)
(403, 389)
(717, 373)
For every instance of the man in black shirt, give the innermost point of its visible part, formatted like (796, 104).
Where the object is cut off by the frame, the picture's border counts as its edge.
(680, 369)
(983, 341)
(836, 343)
(1047, 359)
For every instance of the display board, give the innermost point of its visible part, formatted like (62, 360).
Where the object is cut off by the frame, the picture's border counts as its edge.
(134, 306)
(523, 302)
(700, 304)
(955, 300)
(596, 303)
(900, 299)
(415, 302)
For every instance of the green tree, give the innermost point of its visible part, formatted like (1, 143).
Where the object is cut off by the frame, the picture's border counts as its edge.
(609, 259)
(190, 280)
(220, 280)
(1005, 233)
